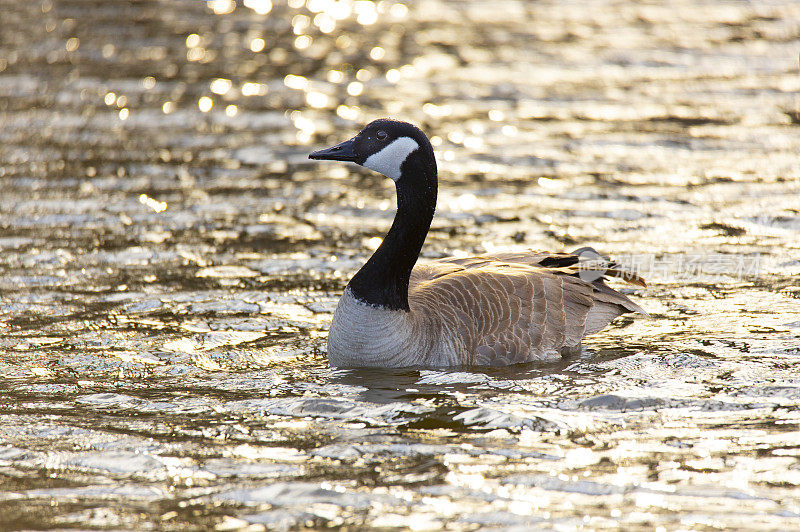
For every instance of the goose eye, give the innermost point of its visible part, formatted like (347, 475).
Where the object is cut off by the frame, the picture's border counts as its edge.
(381, 135)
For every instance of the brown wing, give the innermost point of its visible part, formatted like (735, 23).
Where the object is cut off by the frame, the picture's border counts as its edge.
(510, 308)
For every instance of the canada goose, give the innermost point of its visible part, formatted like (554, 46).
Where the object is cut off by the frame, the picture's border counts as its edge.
(485, 310)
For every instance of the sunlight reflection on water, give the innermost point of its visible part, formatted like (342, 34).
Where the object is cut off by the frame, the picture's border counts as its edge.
(171, 261)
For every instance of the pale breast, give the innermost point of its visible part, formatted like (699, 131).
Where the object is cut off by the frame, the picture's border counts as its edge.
(362, 335)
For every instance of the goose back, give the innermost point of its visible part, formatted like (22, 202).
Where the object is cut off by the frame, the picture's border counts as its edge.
(515, 307)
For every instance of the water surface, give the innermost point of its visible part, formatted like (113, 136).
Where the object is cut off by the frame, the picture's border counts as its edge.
(171, 260)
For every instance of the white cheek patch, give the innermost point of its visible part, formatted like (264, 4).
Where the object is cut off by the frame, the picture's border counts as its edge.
(389, 159)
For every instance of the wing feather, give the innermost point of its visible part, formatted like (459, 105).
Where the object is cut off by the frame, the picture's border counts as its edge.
(515, 307)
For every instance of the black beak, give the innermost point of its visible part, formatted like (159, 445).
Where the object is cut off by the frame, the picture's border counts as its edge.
(340, 152)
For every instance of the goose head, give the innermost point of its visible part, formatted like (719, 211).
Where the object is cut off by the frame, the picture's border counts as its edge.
(402, 152)
(389, 147)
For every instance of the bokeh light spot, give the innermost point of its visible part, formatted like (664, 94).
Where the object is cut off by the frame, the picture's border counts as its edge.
(317, 100)
(436, 111)
(348, 113)
(343, 42)
(335, 76)
(300, 23)
(509, 131)
(325, 23)
(222, 7)
(366, 11)
(205, 104)
(295, 82)
(398, 10)
(496, 115)
(195, 54)
(355, 88)
(261, 7)
(257, 44)
(221, 86)
(253, 89)
(377, 53)
(303, 42)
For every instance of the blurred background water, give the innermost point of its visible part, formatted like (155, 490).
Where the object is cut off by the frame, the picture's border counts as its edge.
(171, 259)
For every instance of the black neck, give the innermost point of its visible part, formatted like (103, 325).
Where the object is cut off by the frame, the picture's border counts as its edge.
(383, 280)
